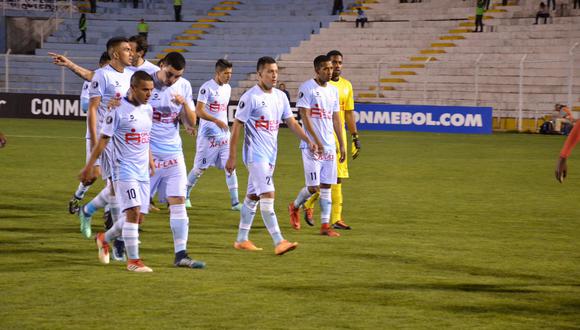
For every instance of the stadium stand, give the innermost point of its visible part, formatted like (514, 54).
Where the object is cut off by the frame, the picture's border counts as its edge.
(425, 53)
(210, 30)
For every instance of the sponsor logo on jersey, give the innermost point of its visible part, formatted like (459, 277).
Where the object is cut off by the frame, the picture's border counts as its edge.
(267, 125)
(216, 143)
(215, 107)
(135, 138)
(166, 163)
(165, 117)
(317, 112)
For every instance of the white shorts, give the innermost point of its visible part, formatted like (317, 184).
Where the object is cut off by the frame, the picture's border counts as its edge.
(261, 178)
(131, 194)
(319, 168)
(212, 151)
(170, 177)
(88, 153)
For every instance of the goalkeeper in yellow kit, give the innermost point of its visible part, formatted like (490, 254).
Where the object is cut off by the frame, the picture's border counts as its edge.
(345, 95)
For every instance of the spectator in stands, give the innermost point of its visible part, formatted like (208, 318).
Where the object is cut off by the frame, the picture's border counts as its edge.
(135, 3)
(487, 3)
(553, 2)
(543, 12)
(576, 3)
(177, 8)
(337, 7)
(563, 119)
(93, 6)
(282, 87)
(146, 4)
(83, 28)
(143, 28)
(479, 11)
(362, 18)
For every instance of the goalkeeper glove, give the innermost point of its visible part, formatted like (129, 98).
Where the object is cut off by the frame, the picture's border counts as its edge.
(355, 148)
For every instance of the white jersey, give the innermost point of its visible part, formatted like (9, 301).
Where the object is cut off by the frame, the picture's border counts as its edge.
(323, 103)
(146, 66)
(108, 83)
(216, 99)
(261, 114)
(165, 138)
(129, 127)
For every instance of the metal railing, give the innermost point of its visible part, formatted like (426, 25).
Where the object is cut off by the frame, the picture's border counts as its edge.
(510, 86)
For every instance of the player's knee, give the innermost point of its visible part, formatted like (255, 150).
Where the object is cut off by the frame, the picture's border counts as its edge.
(253, 197)
(313, 189)
(177, 211)
(176, 200)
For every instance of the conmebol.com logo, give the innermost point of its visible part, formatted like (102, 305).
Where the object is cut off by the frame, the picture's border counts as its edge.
(420, 119)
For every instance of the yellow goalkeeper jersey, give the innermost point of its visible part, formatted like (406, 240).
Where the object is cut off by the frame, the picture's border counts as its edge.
(345, 95)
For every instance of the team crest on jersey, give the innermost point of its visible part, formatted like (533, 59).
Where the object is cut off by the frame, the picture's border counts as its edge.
(156, 96)
(263, 103)
(116, 84)
(109, 119)
(242, 104)
(95, 84)
(202, 91)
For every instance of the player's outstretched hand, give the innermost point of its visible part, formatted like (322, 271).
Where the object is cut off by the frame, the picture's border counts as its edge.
(178, 99)
(191, 130)
(2, 140)
(342, 155)
(355, 148)
(59, 59)
(223, 126)
(313, 147)
(561, 169)
(86, 174)
(231, 165)
(114, 102)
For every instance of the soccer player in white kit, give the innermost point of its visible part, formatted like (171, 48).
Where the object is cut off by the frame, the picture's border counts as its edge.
(108, 83)
(213, 136)
(73, 204)
(319, 108)
(259, 113)
(128, 127)
(172, 99)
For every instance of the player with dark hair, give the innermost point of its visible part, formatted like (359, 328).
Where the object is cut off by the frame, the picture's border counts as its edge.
(128, 127)
(346, 100)
(172, 102)
(212, 146)
(109, 82)
(139, 46)
(319, 109)
(260, 111)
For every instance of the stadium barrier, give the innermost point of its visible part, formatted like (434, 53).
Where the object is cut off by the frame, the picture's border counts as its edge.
(424, 118)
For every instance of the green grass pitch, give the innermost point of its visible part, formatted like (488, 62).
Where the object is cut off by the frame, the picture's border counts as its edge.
(449, 232)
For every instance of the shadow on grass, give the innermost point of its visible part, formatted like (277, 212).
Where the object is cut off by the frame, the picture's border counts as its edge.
(439, 266)
(459, 287)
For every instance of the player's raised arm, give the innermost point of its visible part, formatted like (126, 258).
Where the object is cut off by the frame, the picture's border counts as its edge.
(562, 166)
(232, 159)
(62, 60)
